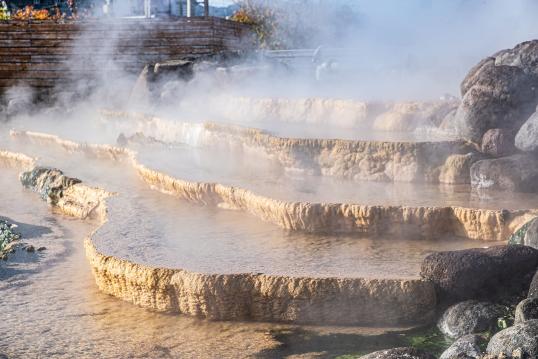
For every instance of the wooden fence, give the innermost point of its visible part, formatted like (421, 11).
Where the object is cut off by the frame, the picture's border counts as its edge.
(46, 54)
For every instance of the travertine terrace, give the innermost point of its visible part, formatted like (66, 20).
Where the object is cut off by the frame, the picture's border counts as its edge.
(352, 159)
(242, 296)
(271, 297)
(475, 223)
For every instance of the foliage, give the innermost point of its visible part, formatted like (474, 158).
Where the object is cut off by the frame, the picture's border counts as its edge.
(4, 11)
(30, 13)
(518, 236)
(263, 20)
(296, 23)
(432, 341)
(7, 234)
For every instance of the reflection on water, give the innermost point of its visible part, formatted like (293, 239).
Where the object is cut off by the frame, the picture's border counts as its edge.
(156, 229)
(304, 130)
(264, 177)
(51, 307)
(159, 230)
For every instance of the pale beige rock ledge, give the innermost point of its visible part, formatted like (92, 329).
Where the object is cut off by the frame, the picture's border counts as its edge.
(427, 222)
(78, 200)
(354, 159)
(17, 160)
(342, 301)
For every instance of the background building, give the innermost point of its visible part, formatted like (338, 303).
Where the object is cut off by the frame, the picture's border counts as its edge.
(122, 8)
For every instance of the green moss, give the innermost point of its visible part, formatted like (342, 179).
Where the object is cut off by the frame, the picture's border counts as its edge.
(518, 236)
(7, 234)
(48, 182)
(430, 340)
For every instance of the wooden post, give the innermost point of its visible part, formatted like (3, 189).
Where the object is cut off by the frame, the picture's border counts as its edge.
(206, 8)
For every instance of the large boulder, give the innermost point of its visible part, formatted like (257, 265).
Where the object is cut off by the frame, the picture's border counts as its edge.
(522, 336)
(527, 309)
(399, 353)
(480, 273)
(469, 317)
(533, 288)
(517, 173)
(527, 136)
(467, 346)
(498, 142)
(499, 92)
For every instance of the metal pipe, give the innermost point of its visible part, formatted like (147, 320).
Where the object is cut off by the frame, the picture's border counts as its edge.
(189, 8)
(206, 8)
(147, 8)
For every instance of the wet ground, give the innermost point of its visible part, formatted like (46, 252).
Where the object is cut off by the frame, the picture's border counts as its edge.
(51, 307)
(152, 228)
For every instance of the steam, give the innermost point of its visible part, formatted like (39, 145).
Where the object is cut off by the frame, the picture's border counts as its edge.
(386, 50)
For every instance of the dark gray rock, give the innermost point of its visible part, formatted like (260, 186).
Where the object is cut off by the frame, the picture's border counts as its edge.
(399, 353)
(469, 317)
(527, 309)
(523, 336)
(467, 346)
(500, 92)
(527, 136)
(480, 273)
(533, 288)
(17, 106)
(524, 55)
(531, 234)
(517, 173)
(498, 142)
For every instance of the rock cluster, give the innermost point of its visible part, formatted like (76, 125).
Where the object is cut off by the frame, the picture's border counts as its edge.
(497, 112)
(480, 272)
(494, 273)
(500, 92)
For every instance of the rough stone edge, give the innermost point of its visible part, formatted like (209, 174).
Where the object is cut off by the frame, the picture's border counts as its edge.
(343, 301)
(429, 157)
(338, 301)
(430, 222)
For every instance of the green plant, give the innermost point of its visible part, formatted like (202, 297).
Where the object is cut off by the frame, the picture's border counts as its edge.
(7, 234)
(4, 11)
